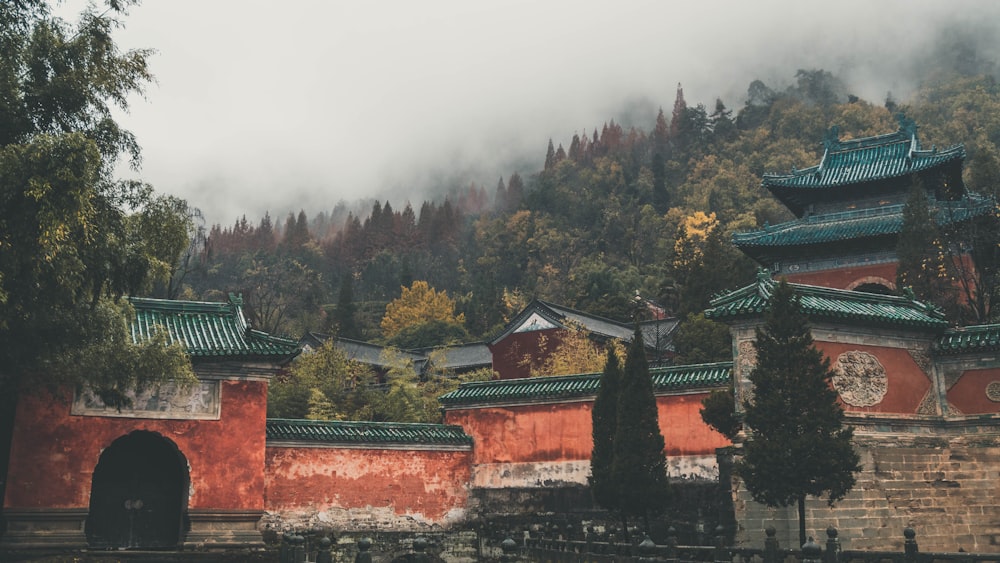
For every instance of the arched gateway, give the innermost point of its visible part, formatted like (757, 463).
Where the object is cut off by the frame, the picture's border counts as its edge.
(139, 494)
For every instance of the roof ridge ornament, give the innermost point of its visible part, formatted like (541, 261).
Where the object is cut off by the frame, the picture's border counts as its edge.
(831, 140)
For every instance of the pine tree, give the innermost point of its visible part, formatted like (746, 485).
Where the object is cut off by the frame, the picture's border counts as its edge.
(639, 468)
(605, 420)
(798, 444)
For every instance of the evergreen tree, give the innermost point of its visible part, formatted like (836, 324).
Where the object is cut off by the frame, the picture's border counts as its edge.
(798, 444)
(922, 264)
(605, 420)
(345, 316)
(639, 468)
(550, 156)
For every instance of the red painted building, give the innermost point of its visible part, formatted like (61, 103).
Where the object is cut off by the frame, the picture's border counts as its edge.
(542, 321)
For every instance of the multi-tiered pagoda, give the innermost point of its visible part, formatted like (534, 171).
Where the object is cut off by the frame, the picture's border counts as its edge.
(849, 209)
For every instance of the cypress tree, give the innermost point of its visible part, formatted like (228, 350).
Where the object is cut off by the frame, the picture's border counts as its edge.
(922, 263)
(345, 315)
(798, 445)
(605, 420)
(640, 466)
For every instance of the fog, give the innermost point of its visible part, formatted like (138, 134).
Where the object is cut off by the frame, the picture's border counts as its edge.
(294, 105)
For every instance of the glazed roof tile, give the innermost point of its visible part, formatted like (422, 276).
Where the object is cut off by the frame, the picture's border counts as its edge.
(830, 304)
(368, 433)
(856, 224)
(864, 160)
(969, 339)
(674, 378)
(207, 330)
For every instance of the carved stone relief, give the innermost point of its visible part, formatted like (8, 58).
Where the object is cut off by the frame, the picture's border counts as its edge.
(993, 391)
(860, 378)
(747, 358)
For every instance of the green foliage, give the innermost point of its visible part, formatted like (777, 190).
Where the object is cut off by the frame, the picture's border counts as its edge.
(345, 320)
(798, 444)
(604, 419)
(323, 384)
(923, 265)
(639, 468)
(698, 340)
(718, 410)
(71, 238)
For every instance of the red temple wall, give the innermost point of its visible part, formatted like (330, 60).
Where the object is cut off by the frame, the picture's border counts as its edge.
(431, 483)
(968, 394)
(848, 278)
(907, 383)
(54, 453)
(563, 431)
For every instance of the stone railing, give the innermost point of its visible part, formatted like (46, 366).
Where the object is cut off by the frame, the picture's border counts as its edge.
(559, 550)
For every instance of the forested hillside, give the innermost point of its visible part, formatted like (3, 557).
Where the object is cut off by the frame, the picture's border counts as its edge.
(614, 211)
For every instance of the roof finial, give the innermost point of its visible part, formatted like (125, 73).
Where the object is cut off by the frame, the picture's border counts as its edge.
(907, 126)
(831, 141)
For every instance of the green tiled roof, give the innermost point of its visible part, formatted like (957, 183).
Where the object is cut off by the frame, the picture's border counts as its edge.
(865, 160)
(852, 225)
(831, 304)
(674, 378)
(369, 433)
(980, 338)
(207, 330)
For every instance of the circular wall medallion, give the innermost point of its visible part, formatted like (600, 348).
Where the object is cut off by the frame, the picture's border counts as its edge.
(993, 391)
(860, 379)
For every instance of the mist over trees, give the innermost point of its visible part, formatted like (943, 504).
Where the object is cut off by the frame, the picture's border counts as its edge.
(614, 209)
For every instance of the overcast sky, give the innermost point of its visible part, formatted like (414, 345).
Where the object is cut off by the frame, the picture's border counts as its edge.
(264, 105)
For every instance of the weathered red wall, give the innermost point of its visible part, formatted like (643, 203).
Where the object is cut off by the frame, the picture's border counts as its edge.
(968, 394)
(684, 432)
(53, 454)
(563, 431)
(430, 483)
(508, 352)
(907, 383)
(846, 278)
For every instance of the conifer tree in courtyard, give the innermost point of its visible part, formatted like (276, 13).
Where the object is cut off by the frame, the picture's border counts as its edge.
(605, 420)
(640, 466)
(798, 444)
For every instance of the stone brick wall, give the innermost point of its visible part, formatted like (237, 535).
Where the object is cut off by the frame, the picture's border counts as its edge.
(947, 489)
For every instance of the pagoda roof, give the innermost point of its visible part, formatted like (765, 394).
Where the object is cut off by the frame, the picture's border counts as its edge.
(207, 330)
(858, 161)
(837, 305)
(366, 433)
(852, 225)
(969, 339)
(560, 388)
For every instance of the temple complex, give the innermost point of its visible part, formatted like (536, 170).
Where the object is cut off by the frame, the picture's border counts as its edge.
(202, 467)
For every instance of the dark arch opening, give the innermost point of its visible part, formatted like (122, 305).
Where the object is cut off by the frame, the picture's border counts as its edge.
(875, 288)
(138, 496)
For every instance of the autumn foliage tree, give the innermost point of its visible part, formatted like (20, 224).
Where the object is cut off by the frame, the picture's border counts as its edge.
(567, 351)
(420, 306)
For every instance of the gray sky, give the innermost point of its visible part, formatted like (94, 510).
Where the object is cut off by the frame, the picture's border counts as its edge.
(264, 105)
